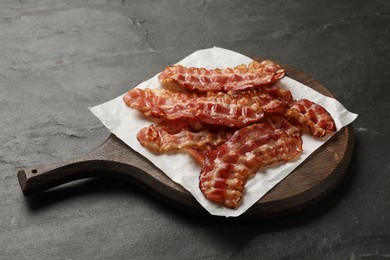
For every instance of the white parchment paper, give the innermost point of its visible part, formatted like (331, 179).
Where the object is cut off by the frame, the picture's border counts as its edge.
(125, 123)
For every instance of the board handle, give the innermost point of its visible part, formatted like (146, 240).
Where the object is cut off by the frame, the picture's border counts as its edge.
(42, 178)
(95, 164)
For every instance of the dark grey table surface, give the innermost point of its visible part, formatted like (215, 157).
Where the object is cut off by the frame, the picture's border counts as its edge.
(57, 58)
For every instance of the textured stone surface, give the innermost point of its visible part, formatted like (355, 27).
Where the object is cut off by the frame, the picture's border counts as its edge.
(59, 57)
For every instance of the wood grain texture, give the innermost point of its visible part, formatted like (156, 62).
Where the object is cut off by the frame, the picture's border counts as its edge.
(312, 180)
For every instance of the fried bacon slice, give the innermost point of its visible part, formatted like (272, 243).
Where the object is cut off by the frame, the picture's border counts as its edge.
(228, 167)
(240, 78)
(306, 113)
(222, 109)
(275, 120)
(179, 135)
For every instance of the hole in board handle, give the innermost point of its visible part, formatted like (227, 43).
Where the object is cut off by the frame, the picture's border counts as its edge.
(34, 171)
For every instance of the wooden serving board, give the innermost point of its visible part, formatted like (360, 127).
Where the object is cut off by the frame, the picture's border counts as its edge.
(312, 180)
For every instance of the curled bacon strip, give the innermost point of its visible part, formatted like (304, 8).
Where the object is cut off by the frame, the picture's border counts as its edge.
(228, 167)
(240, 78)
(168, 136)
(307, 113)
(223, 109)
